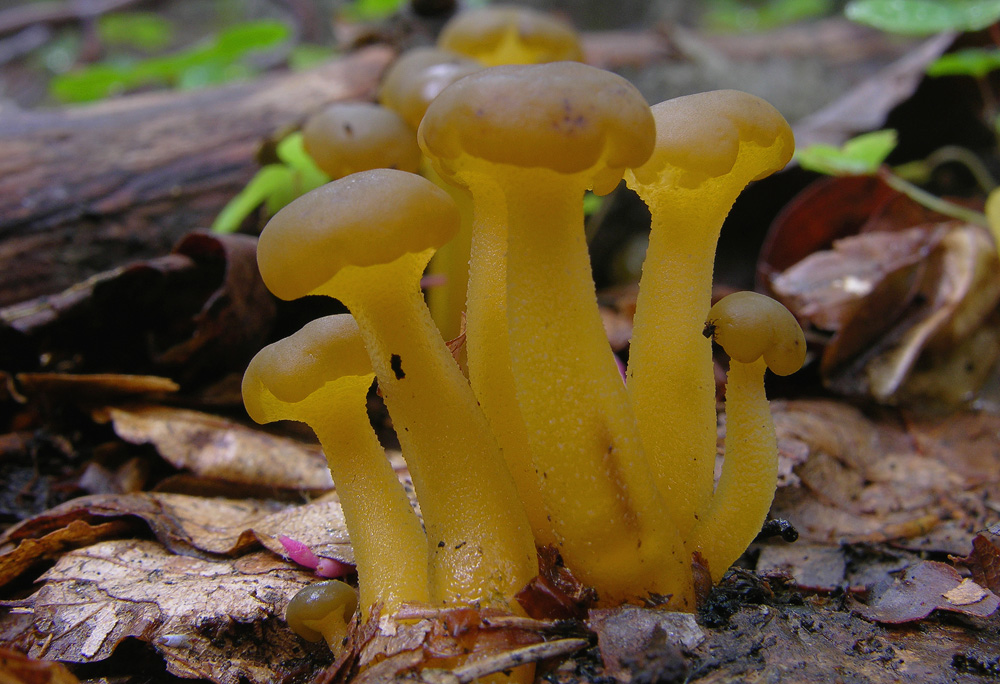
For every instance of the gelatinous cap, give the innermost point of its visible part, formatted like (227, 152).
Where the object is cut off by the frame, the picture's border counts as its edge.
(322, 610)
(417, 77)
(700, 137)
(564, 116)
(368, 218)
(348, 137)
(289, 370)
(499, 34)
(749, 325)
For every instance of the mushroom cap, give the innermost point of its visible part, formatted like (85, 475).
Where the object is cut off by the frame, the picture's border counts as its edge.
(700, 137)
(322, 609)
(417, 77)
(564, 116)
(289, 370)
(348, 137)
(749, 325)
(501, 34)
(368, 218)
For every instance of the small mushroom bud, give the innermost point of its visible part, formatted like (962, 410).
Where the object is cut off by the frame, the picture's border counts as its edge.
(323, 611)
(757, 333)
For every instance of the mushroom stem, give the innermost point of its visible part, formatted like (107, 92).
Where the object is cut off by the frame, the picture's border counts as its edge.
(380, 520)
(488, 351)
(321, 376)
(608, 518)
(757, 333)
(447, 301)
(670, 374)
(481, 548)
(751, 465)
(708, 147)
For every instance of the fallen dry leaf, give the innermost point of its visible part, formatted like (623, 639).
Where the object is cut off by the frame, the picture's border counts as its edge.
(17, 668)
(217, 448)
(187, 525)
(983, 563)
(627, 635)
(194, 314)
(922, 483)
(215, 620)
(923, 588)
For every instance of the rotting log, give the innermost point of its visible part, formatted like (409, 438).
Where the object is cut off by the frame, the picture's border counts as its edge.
(84, 189)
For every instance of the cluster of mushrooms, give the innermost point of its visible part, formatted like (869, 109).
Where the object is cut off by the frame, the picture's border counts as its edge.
(541, 444)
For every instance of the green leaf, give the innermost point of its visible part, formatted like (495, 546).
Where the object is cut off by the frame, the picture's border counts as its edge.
(218, 61)
(291, 150)
(738, 15)
(271, 180)
(975, 62)
(924, 17)
(860, 156)
(305, 56)
(143, 30)
(592, 203)
(94, 83)
(373, 10)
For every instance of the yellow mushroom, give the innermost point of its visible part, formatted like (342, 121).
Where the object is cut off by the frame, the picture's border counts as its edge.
(408, 87)
(757, 333)
(504, 34)
(323, 611)
(528, 141)
(708, 147)
(320, 376)
(348, 137)
(365, 240)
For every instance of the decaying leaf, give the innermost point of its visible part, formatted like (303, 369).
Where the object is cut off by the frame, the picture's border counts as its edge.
(192, 314)
(189, 525)
(217, 448)
(920, 484)
(925, 587)
(983, 563)
(636, 640)
(17, 668)
(912, 312)
(453, 646)
(217, 620)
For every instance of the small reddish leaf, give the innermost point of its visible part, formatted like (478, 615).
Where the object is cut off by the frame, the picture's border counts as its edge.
(555, 594)
(983, 563)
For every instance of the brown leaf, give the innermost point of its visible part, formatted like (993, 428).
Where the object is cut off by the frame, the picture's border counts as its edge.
(194, 314)
(627, 635)
(920, 483)
(555, 594)
(925, 587)
(983, 562)
(17, 668)
(48, 547)
(216, 620)
(213, 447)
(187, 525)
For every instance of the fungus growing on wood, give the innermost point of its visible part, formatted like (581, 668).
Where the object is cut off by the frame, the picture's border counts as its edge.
(499, 34)
(320, 376)
(323, 611)
(348, 137)
(708, 147)
(757, 333)
(365, 240)
(528, 141)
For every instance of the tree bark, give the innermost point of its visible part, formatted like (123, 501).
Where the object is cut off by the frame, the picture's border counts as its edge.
(84, 189)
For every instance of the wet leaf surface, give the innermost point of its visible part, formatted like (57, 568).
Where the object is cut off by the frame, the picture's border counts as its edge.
(217, 620)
